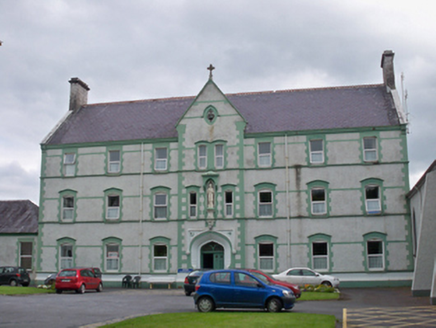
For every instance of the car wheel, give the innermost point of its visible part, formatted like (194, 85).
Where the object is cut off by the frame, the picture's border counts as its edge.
(326, 283)
(13, 283)
(205, 304)
(274, 305)
(58, 291)
(81, 290)
(100, 287)
(187, 293)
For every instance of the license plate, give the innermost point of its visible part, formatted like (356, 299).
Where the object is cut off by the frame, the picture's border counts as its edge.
(65, 280)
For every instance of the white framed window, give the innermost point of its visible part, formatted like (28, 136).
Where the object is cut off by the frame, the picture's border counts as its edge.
(114, 161)
(375, 256)
(266, 256)
(113, 207)
(69, 164)
(318, 200)
(192, 204)
(316, 151)
(372, 199)
(66, 260)
(202, 156)
(160, 206)
(160, 258)
(370, 149)
(161, 159)
(264, 153)
(320, 255)
(265, 203)
(68, 208)
(219, 156)
(228, 199)
(26, 250)
(112, 257)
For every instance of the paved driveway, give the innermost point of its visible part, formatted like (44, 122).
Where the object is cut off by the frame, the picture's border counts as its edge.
(75, 310)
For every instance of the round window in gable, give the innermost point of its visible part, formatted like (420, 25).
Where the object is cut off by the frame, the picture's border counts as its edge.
(210, 115)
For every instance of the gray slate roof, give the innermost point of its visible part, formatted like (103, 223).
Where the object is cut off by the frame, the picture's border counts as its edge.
(18, 216)
(270, 111)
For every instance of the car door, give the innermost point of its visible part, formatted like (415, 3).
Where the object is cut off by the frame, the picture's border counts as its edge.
(2, 276)
(294, 276)
(310, 277)
(221, 288)
(249, 292)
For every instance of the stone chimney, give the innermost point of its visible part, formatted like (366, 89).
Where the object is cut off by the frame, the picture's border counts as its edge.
(387, 64)
(78, 93)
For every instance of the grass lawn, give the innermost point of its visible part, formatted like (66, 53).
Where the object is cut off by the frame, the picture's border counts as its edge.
(7, 290)
(316, 296)
(229, 319)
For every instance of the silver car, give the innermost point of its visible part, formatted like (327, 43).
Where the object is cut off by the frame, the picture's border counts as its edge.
(303, 276)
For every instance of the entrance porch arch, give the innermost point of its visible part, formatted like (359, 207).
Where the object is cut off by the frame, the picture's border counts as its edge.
(205, 238)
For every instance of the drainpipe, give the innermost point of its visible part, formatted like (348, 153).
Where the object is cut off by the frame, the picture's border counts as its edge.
(288, 204)
(141, 208)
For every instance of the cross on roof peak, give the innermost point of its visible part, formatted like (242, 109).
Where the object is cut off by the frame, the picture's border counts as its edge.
(210, 68)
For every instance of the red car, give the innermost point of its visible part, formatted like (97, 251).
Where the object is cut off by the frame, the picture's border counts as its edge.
(267, 278)
(78, 279)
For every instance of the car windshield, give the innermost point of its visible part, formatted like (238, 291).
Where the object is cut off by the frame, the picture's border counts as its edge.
(67, 273)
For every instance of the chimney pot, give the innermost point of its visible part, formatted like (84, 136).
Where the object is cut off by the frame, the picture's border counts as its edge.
(387, 64)
(78, 93)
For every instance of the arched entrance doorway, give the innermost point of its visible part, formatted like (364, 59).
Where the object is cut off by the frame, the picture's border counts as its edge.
(212, 256)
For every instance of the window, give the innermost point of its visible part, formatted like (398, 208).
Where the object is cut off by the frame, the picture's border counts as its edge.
(266, 257)
(66, 256)
(219, 156)
(113, 207)
(320, 255)
(160, 206)
(68, 208)
(161, 159)
(375, 254)
(316, 152)
(192, 204)
(228, 198)
(370, 149)
(265, 203)
(202, 157)
(318, 201)
(160, 257)
(114, 161)
(69, 164)
(26, 255)
(112, 257)
(372, 199)
(264, 151)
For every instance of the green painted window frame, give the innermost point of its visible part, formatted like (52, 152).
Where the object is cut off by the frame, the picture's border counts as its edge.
(109, 150)
(265, 187)
(313, 185)
(375, 237)
(113, 192)
(160, 190)
(199, 157)
(61, 242)
(67, 193)
(225, 189)
(72, 164)
(309, 150)
(271, 153)
(207, 114)
(111, 241)
(366, 135)
(320, 238)
(264, 240)
(192, 190)
(156, 147)
(371, 182)
(159, 241)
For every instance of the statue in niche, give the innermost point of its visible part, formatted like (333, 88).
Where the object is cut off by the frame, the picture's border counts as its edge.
(210, 195)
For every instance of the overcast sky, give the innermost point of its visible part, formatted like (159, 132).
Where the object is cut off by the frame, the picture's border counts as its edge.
(130, 50)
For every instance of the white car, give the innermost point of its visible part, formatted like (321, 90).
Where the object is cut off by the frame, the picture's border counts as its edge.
(303, 276)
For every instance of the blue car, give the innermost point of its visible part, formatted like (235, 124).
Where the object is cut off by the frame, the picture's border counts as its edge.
(239, 289)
